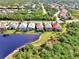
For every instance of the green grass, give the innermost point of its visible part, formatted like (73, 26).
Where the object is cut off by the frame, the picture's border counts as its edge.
(9, 31)
(43, 38)
(74, 13)
(63, 27)
(17, 32)
(29, 32)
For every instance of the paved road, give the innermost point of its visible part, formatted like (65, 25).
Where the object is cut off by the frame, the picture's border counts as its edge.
(67, 21)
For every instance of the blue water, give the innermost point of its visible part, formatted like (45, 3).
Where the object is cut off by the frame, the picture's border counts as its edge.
(8, 43)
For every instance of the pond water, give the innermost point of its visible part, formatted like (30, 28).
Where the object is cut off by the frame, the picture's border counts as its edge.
(9, 42)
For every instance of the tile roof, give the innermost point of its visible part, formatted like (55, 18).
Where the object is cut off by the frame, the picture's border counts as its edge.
(56, 25)
(39, 25)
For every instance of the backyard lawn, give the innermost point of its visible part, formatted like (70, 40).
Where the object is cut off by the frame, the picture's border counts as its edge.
(63, 27)
(9, 31)
(74, 13)
(17, 32)
(43, 38)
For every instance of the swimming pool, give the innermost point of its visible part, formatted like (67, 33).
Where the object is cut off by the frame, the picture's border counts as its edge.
(8, 43)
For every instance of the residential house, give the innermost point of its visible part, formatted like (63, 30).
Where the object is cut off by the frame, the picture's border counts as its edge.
(13, 25)
(39, 27)
(48, 26)
(22, 26)
(56, 26)
(63, 13)
(31, 26)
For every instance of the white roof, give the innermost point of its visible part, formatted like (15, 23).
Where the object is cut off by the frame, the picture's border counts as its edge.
(48, 25)
(64, 10)
(14, 25)
(23, 25)
(3, 24)
(31, 25)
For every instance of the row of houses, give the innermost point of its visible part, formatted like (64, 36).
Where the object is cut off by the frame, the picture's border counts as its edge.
(63, 12)
(23, 26)
(73, 5)
(15, 8)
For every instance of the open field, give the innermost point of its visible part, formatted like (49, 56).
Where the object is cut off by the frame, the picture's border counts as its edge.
(74, 13)
(43, 38)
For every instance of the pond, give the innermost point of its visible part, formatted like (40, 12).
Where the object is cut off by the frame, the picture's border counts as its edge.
(9, 42)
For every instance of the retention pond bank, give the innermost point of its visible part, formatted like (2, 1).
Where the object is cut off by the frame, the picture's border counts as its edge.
(10, 42)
